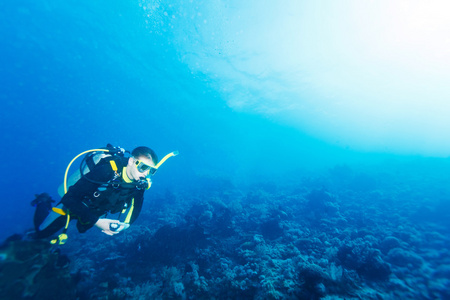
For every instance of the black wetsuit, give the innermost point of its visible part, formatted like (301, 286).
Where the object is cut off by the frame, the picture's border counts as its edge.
(88, 199)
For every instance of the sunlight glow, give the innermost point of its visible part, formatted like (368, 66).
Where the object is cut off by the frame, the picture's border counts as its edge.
(369, 75)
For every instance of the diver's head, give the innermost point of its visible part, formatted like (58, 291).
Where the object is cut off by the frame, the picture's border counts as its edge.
(146, 152)
(141, 163)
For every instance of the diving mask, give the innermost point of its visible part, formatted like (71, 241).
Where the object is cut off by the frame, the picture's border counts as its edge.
(142, 167)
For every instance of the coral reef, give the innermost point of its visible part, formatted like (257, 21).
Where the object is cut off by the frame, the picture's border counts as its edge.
(343, 235)
(30, 270)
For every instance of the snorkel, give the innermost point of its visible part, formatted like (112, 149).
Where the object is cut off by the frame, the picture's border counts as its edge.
(146, 183)
(174, 153)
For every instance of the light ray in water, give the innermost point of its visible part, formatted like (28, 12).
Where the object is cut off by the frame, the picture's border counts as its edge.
(368, 75)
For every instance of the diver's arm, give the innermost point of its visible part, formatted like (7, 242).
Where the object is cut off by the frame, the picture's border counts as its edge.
(138, 201)
(133, 213)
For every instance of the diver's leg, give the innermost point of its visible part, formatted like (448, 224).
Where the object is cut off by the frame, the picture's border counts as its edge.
(52, 228)
(51, 217)
(51, 224)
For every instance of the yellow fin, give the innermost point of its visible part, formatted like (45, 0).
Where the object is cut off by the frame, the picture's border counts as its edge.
(59, 211)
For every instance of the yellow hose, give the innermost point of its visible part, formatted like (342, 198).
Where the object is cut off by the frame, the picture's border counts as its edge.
(68, 167)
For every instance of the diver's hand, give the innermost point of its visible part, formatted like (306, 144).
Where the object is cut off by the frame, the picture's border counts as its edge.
(104, 224)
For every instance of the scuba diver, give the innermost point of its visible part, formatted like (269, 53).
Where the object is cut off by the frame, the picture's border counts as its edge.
(108, 182)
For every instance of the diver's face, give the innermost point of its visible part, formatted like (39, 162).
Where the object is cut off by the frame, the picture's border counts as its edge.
(135, 166)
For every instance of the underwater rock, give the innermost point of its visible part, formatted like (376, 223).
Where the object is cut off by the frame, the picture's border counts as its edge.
(389, 243)
(271, 229)
(312, 274)
(211, 216)
(315, 279)
(439, 288)
(29, 269)
(403, 258)
(318, 198)
(170, 244)
(358, 255)
(321, 204)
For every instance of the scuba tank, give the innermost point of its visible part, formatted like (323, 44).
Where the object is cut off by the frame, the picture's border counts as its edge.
(91, 159)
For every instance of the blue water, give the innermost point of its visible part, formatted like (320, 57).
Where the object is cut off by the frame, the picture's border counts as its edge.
(78, 76)
(196, 77)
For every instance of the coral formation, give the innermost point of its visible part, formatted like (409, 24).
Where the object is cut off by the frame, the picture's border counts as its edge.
(30, 270)
(345, 235)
